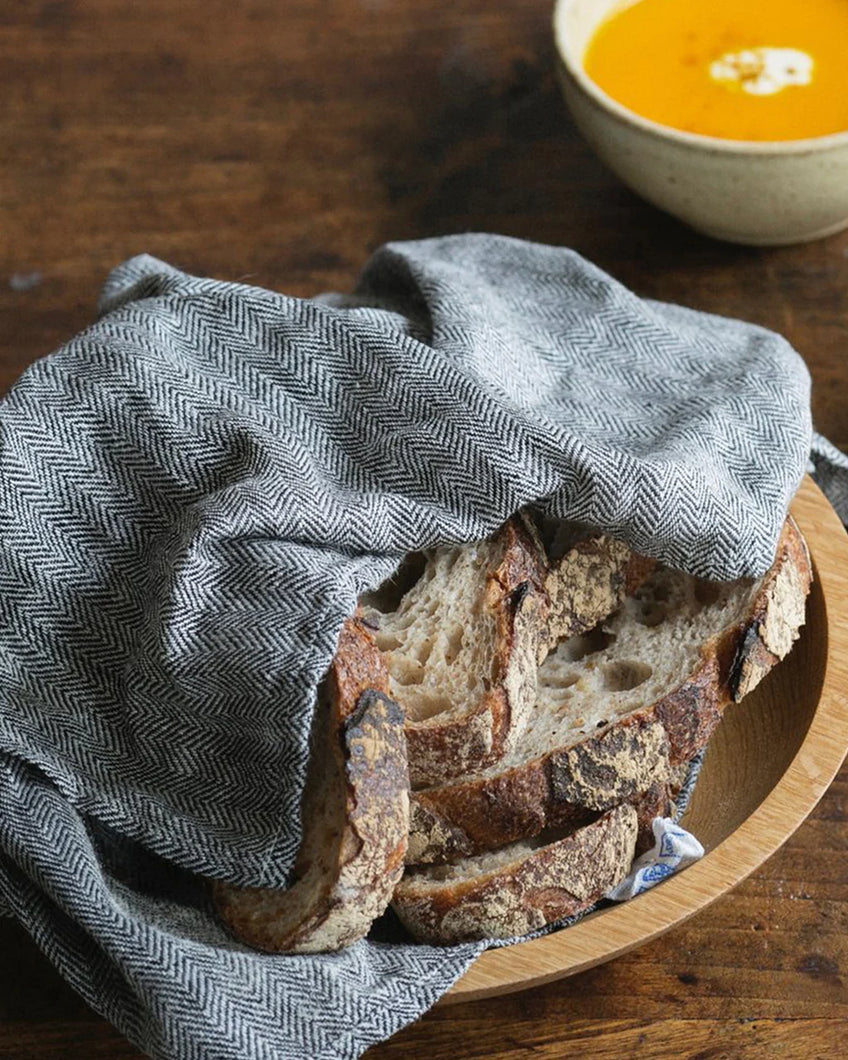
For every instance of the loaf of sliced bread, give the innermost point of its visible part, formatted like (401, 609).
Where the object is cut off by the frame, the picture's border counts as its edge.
(355, 817)
(537, 770)
(619, 705)
(461, 648)
(520, 887)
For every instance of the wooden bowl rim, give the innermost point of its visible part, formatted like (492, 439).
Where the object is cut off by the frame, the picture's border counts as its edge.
(615, 931)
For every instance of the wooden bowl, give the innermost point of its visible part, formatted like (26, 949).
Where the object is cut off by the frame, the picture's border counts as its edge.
(768, 763)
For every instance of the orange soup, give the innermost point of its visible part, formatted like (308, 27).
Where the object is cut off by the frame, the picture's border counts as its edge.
(737, 69)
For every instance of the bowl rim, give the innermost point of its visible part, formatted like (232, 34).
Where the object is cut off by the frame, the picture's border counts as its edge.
(716, 144)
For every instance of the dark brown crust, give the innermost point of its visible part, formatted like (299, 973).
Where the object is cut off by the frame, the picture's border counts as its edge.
(480, 814)
(639, 568)
(442, 749)
(657, 801)
(357, 667)
(352, 854)
(539, 887)
(617, 764)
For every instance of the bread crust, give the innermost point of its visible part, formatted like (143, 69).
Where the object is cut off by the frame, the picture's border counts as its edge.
(620, 762)
(555, 790)
(534, 889)
(777, 616)
(588, 582)
(356, 819)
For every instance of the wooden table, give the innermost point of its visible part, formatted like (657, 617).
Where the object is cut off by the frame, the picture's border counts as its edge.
(280, 141)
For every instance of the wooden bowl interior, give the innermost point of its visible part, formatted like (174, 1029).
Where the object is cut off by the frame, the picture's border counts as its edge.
(758, 738)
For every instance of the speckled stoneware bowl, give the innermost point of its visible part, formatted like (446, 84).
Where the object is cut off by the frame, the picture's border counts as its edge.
(760, 193)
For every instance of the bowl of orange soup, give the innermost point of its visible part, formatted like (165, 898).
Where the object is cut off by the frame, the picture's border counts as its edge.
(732, 115)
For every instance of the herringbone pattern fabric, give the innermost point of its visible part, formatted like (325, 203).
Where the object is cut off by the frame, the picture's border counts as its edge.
(151, 959)
(194, 491)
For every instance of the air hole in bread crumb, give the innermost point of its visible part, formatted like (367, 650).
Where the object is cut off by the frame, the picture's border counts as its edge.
(576, 648)
(651, 613)
(454, 645)
(707, 593)
(387, 642)
(551, 679)
(624, 675)
(425, 647)
(423, 705)
(406, 671)
(562, 699)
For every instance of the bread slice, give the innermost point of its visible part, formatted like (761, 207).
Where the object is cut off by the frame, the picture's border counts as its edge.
(520, 887)
(355, 818)
(461, 648)
(620, 705)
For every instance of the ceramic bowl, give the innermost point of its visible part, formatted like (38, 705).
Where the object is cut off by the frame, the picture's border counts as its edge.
(755, 192)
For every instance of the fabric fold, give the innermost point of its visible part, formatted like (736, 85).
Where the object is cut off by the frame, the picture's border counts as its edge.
(193, 493)
(195, 490)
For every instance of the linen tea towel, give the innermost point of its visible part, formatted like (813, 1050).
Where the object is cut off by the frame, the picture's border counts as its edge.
(193, 493)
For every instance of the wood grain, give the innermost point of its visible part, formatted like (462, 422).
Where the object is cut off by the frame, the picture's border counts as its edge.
(670, 1039)
(279, 141)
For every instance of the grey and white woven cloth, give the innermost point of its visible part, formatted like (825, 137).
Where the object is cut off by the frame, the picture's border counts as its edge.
(192, 494)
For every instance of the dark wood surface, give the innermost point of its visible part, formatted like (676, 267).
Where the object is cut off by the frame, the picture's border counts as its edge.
(279, 142)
